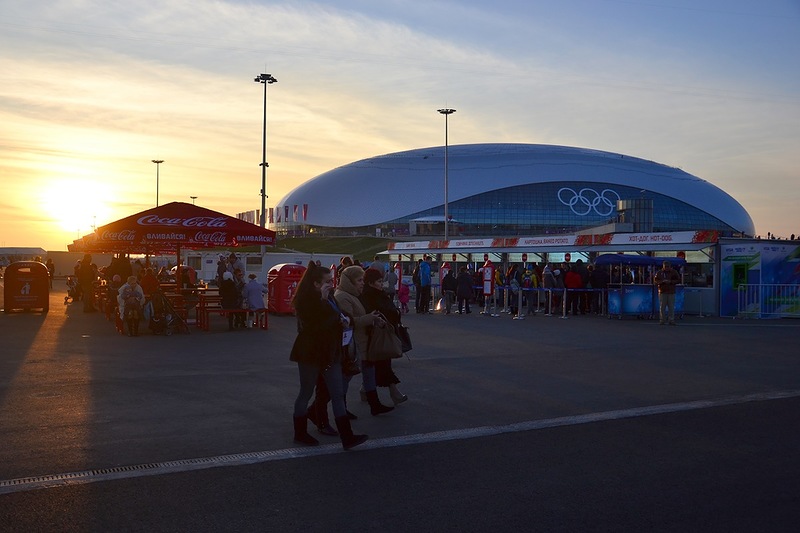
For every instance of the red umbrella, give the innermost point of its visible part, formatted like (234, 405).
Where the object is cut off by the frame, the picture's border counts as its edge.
(170, 227)
(177, 224)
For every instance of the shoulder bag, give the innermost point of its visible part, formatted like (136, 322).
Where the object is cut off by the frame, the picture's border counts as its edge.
(405, 338)
(384, 344)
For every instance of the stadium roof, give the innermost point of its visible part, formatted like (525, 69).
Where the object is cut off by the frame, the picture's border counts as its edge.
(391, 186)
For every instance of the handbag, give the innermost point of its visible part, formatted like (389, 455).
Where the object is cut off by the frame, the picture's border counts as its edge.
(405, 338)
(349, 363)
(384, 344)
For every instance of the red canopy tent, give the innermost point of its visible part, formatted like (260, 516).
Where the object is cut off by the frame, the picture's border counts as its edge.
(170, 227)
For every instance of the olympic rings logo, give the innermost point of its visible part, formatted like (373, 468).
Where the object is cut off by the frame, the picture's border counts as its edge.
(584, 201)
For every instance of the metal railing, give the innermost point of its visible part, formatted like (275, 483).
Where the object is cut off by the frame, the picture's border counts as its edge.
(759, 300)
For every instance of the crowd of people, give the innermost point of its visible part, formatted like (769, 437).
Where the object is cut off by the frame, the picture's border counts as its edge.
(518, 286)
(129, 287)
(236, 293)
(336, 317)
(338, 310)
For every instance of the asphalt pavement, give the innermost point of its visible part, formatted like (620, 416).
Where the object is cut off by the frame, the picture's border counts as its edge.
(542, 424)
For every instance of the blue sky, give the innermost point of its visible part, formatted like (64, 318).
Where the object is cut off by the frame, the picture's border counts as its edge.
(90, 92)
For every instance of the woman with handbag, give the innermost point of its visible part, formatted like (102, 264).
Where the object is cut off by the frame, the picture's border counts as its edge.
(375, 299)
(347, 296)
(322, 330)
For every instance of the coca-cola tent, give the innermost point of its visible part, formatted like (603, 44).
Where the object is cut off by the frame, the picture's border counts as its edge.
(170, 227)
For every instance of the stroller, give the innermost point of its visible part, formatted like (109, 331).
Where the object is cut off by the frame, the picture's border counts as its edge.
(73, 290)
(163, 320)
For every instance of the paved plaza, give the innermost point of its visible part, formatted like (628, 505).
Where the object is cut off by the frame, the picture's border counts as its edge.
(542, 424)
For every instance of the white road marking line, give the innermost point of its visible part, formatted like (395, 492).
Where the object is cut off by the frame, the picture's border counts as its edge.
(187, 465)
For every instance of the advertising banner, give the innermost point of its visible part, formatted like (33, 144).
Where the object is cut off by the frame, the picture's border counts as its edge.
(765, 264)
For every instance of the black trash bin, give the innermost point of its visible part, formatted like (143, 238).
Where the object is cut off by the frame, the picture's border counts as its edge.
(27, 286)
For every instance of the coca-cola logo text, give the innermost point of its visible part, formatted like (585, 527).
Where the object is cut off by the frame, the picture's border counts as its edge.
(124, 235)
(193, 222)
(217, 236)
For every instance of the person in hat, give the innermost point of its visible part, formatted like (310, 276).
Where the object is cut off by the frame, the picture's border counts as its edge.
(254, 298)
(130, 300)
(234, 263)
(373, 298)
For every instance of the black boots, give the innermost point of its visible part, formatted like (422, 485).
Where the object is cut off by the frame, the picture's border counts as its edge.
(375, 405)
(350, 415)
(318, 414)
(346, 433)
(301, 432)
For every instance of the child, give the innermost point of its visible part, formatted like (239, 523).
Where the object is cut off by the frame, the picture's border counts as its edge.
(403, 297)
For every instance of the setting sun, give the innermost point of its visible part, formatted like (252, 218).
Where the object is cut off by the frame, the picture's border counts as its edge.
(77, 205)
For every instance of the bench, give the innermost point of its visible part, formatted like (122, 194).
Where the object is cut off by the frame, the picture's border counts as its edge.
(204, 316)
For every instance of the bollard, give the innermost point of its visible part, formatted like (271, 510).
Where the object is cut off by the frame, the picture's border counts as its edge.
(549, 302)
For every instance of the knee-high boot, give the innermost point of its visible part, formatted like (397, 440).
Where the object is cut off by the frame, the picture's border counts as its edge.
(318, 414)
(301, 432)
(350, 415)
(346, 433)
(375, 405)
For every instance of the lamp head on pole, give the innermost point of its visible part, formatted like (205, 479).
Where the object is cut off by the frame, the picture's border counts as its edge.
(446, 111)
(265, 78)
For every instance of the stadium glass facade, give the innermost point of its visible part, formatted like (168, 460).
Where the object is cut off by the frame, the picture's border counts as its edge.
(542, 208)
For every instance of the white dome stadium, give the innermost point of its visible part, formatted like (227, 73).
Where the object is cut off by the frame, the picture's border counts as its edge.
(511, 188)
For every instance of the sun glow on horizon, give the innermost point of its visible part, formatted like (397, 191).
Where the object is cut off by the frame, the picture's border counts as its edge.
(77, 205)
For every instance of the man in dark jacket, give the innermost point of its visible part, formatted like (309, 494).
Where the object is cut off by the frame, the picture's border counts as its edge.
(449, 287)
(464, 289)
(86, 278)
(666, 279)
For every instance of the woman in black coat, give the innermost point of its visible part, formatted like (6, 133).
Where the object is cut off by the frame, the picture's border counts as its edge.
(375, 298)
(318, 349)
(229, 295)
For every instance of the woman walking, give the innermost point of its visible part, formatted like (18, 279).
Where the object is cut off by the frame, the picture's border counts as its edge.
(351, 285)
(322, 329)
(375, 298)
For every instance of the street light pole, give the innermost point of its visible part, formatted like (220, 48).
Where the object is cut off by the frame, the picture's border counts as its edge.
(446, 112)
(266, 79)
(193, 199)
(158, 166)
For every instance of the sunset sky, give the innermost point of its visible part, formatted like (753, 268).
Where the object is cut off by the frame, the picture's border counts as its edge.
(91, 92)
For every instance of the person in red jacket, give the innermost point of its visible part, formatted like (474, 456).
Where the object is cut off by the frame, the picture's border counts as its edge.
(149, 282)
(573, 282)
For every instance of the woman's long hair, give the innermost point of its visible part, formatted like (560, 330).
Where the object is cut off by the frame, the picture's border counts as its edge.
(305, 287)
